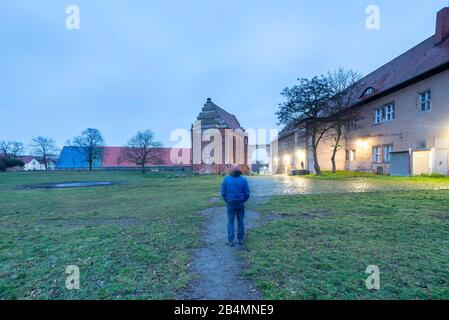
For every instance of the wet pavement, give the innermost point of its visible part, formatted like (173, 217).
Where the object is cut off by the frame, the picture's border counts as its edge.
(266, 186)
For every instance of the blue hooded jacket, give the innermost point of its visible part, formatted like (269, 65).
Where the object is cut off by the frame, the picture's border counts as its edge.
(235, 190)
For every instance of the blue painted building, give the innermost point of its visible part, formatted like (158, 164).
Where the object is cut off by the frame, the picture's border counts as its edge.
(74, 158)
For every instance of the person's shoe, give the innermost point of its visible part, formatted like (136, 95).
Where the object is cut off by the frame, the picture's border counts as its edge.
(230, 243)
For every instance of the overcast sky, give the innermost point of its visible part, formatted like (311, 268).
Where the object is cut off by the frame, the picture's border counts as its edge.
(141, 64)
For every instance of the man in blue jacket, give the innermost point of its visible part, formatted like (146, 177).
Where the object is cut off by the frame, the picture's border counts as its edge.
(235, 192)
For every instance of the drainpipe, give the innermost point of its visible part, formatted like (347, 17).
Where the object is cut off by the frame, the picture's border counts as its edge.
(410, 159)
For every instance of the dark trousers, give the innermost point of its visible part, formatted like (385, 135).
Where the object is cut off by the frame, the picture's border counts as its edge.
(233, 214)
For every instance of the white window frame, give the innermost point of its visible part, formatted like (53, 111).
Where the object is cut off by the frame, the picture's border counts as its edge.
(390, 112)
(379, 116)
(377, 154)
(385, 113)
(388, 149)
(426, 102)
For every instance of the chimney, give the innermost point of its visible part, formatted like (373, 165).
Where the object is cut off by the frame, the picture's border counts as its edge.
(442, 32)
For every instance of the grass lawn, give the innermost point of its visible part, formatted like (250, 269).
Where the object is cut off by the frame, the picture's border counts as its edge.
(324, 244)
(130, 241)
(434, 179)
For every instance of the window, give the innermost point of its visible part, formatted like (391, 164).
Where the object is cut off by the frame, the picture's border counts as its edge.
(424, 101)
(377, 154)
(421, 145)
(388, 149)
(389, 112)
(379, 116)
(368, 91)
(385, 113)
(352, 124)
(352, 155)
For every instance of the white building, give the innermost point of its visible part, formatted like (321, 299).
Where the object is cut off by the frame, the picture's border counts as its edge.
(32, 164)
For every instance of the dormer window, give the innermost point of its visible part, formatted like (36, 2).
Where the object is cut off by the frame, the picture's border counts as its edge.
(368, 92)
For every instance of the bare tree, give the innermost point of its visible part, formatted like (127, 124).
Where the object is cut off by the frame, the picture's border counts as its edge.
(90, 144)
(17, 149)
(4, 148)
(343, 88)
(45, 148)
(142, 149)
(11, 149)
(308, 102)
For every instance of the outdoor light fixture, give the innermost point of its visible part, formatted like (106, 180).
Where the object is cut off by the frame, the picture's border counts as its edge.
(362, 144)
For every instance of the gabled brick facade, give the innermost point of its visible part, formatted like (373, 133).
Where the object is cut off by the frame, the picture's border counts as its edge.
(218, 141)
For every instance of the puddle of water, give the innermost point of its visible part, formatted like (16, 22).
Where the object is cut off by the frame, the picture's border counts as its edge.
(81, 184)
(67, 185)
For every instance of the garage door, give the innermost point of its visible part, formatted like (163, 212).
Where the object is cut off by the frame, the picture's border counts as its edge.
(400, 164)
(421, 162)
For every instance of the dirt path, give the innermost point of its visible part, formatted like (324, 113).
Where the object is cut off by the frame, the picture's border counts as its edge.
(219, 266)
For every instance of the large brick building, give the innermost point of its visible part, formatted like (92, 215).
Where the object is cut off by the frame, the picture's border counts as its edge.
(403, 123)
(218, 141)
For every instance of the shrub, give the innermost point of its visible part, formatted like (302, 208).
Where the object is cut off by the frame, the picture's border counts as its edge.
(10, 163)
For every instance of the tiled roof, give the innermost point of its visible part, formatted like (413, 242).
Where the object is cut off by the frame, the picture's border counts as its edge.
(417, 62)
(212, 116)
(230, 119)
(26, 159)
